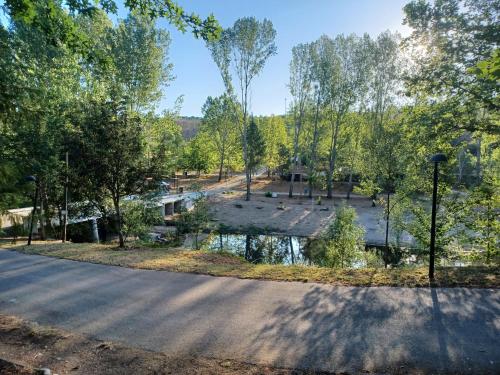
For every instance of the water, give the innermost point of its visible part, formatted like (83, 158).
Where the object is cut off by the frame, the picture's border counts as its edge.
(288, 250)
(270, 249)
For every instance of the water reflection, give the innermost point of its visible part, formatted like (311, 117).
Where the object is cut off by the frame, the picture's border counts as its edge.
(271, 249)
(280, 249)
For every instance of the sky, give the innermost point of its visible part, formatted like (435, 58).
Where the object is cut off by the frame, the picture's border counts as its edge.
(295, 21)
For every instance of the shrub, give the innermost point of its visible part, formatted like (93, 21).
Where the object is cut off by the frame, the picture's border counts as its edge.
(342, 242)
(138, 217)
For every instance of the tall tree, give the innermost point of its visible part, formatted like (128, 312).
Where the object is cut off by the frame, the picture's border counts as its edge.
(273, 131)
(218, 122)
(256, 146)
(301, 75)
(347, 83)
(139, 52)
(110, 153)
(251, 43)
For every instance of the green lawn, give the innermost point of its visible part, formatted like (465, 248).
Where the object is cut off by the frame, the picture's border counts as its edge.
(210, 263)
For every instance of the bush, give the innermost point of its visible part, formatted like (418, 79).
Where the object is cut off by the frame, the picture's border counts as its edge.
(196, 220)
(268, 194)
(342, 242)
(80, 232)
(138, 218)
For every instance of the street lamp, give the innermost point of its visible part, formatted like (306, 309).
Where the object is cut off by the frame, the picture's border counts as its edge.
(436, 159)
(32, 179)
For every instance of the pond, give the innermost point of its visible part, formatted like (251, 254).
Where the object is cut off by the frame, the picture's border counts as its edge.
(282, 249)
(270, 249)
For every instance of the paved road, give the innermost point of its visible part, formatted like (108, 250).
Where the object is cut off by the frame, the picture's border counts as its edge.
(286, 324)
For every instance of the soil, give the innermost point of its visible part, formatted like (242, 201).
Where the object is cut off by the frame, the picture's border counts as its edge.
(26, 346)
(297, 216)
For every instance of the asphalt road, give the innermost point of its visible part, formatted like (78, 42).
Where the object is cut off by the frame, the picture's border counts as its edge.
(285, 324)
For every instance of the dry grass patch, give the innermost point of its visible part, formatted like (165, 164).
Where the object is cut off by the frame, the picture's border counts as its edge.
(24, 347)
(223, 264)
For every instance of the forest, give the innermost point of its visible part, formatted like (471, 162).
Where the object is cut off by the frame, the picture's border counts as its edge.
(366, 112)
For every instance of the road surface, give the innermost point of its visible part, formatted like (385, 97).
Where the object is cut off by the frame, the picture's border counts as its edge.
(281, 323)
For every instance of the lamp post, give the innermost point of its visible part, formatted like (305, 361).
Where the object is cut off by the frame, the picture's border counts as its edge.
(436, 159)
(32, 179)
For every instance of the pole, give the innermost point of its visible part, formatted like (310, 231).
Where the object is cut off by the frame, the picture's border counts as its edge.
(433, 223)
(66, 200)
(30, 235)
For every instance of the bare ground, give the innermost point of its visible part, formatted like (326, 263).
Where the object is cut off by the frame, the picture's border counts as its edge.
(25, 346)
(297, 216)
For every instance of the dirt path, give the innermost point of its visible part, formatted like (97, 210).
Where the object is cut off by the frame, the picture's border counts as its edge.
(26, 346)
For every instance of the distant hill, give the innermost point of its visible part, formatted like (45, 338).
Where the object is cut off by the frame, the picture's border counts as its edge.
(189, 126)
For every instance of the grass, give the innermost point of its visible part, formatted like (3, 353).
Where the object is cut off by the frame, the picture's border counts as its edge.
(223, 264)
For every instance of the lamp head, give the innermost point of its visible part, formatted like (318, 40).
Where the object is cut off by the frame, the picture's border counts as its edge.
(439, 158)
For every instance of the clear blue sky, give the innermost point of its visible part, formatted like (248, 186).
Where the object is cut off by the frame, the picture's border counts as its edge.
(295, 21)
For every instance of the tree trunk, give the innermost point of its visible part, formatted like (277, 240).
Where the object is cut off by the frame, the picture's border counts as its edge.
(291, 249)
(314, 145)
(478, 162)
(116, 202)
(349, 186)
(221, 165)
(298, 126)
(43, 235)
(333, 158)
(387, 221)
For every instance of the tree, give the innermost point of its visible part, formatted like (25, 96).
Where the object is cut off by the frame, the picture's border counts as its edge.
(199, 155)
(138, 217)
(45, 84)
(111, 153)
(387, 162)
(341, 243)
(52, 19)
(218, 123)
(251, 43)
(301, 75)
(346, 85)
(195, 220)
(139, 52)
(162, 142)
(256, 146)
(275, 137)
(450, 38)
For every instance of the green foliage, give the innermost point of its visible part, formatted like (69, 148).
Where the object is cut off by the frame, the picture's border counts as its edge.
(199, 154)
(342, 242)
(195, 220)
(138, 217)
(162, 142)
(450, 38)
(139, 53)
(275, 137)
(246, 46)
(256, 145)
(51, 18)
(220, 125)
(482, 219)
(108, 153)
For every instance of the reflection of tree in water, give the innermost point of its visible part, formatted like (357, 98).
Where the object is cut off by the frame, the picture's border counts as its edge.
(254, 249)
(270, 249)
